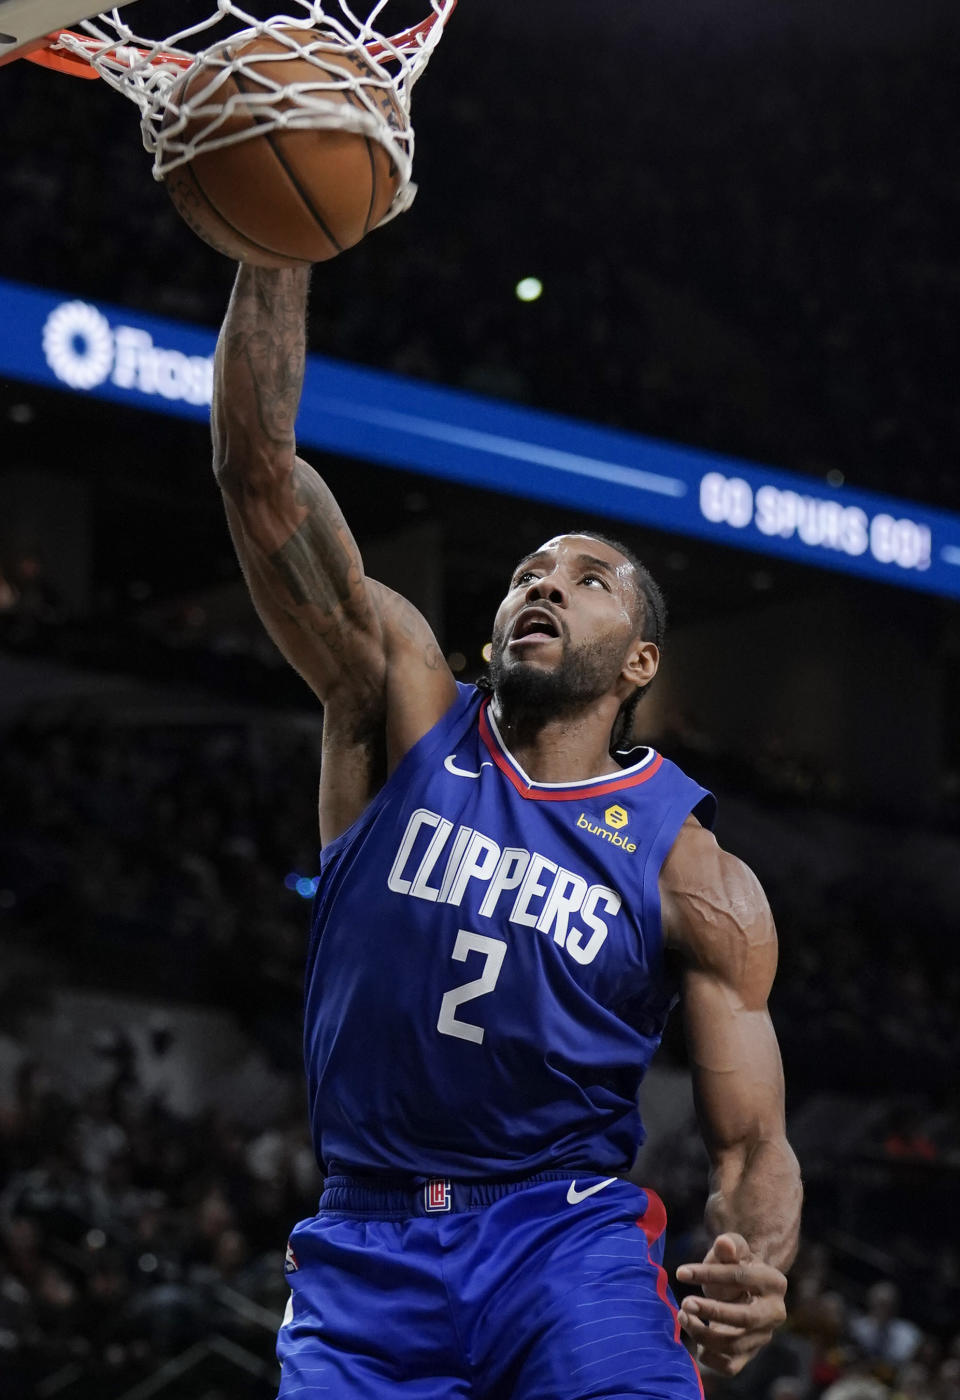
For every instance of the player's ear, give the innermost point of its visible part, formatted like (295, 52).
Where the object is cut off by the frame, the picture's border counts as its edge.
(641, 663)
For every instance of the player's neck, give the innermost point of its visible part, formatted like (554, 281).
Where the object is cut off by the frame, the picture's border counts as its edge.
(568, 749)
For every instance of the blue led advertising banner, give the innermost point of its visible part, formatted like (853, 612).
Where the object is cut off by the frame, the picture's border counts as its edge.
(50, 339)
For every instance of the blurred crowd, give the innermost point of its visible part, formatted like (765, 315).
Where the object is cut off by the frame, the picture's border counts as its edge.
(130, 1236)
(177, 643)
(177, 862)
(131, 1233)
(841, 1349)
(751, 250)
(164, 853)
(176, 850)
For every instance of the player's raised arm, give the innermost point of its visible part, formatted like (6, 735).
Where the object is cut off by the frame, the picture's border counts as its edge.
(300, 560)
(365, 651)
(717, 916)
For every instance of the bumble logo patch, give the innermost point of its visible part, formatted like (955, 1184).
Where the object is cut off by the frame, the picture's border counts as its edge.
(614, 817)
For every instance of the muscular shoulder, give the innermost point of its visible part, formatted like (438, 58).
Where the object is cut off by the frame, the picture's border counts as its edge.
(714, 911)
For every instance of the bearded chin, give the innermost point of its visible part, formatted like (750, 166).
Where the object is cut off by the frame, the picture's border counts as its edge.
(578, 679)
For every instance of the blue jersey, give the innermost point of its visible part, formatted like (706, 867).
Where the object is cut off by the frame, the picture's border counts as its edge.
(485, 985)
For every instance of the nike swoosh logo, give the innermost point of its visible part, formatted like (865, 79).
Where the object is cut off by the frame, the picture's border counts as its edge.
(573, 1195)
(451, 767)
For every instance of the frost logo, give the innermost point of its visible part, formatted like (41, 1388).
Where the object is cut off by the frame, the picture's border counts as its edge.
(142, 365)
(78, 344)
(84, 350)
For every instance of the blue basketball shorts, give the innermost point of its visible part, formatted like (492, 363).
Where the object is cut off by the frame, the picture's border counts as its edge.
(552, 1288)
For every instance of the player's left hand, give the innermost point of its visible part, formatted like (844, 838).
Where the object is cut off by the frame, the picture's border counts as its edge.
(741, 1308)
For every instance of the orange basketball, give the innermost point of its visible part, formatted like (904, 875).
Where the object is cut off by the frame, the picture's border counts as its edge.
(287, 196)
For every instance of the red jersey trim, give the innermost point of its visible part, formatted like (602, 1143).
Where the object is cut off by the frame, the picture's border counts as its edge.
(577, 791)
(653, 1222)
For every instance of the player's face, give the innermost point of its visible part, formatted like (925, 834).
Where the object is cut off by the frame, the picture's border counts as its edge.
(562, 633)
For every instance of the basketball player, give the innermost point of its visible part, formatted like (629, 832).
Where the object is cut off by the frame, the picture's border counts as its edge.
(504, 915)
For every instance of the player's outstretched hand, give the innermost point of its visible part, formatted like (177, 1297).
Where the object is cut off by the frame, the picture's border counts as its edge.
(741, 1308)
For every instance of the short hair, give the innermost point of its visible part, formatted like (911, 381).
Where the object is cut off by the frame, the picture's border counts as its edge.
(653, 627)
(652, 624)
(654, 620)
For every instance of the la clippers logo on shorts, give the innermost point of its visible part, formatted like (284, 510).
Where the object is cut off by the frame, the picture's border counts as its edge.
(290, 1265)
(437, 1194)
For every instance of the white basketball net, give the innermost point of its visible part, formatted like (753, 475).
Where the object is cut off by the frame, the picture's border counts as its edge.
(176, 129)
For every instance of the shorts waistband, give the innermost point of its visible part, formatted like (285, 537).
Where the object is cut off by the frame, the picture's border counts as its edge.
(435, 1195)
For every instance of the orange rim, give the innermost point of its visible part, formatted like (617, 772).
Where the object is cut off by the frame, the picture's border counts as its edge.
(45, 53)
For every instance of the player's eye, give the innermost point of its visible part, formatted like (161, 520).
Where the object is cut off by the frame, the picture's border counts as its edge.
(523, 577)
(595, 578)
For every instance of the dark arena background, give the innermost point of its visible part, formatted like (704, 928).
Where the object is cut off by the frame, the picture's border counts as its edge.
(744, 222)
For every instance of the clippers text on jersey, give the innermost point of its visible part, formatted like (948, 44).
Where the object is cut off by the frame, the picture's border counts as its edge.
(435, 863)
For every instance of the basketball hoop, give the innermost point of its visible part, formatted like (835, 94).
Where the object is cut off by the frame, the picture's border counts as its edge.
(177, 127)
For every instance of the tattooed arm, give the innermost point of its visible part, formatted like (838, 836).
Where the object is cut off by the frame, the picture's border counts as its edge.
(366, 652)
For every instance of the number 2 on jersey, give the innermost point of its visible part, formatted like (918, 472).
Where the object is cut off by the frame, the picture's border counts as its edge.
(494, 950)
